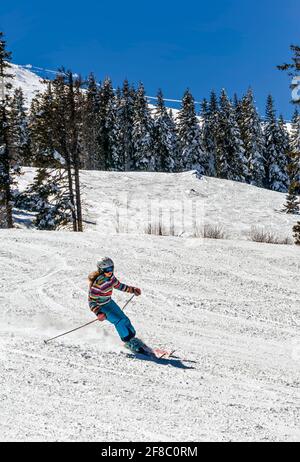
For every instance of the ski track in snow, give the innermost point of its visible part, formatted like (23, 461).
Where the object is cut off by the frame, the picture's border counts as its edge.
(232, 315)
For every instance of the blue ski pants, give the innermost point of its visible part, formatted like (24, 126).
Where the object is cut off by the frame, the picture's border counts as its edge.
(118, 318)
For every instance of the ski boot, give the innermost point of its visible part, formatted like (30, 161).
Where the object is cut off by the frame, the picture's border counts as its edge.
(137, 346)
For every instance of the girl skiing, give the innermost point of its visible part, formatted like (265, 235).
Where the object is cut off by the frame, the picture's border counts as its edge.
(101, 285)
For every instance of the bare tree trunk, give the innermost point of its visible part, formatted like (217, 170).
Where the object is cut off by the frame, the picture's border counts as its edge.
(67, 158)
(71, 192)
(78, 200)
(75, 151)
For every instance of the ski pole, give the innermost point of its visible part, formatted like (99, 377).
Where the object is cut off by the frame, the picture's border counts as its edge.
(84, 325)
(128, 301)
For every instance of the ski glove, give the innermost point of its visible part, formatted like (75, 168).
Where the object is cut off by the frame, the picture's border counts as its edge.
(137, 291)
(101, 316)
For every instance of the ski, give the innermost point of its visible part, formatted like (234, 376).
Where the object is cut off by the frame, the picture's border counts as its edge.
(162, 354)
(155, 353)
(139, 347)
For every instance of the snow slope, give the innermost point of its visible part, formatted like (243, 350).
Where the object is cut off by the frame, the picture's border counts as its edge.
(125, 198)
(232, 314)
(229, 307)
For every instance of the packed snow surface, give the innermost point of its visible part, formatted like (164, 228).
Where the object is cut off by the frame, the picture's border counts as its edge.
(230, 308)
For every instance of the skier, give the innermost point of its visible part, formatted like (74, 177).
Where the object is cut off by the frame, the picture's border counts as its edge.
(101, 285)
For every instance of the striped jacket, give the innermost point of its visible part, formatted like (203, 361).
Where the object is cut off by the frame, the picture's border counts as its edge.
(101, 290)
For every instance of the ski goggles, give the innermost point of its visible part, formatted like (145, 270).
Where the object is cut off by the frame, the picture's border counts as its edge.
(110, 269)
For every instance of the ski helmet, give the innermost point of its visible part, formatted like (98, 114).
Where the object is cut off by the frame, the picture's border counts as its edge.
(104, 263)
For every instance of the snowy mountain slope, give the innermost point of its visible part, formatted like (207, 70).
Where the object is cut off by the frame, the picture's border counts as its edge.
(231, 309)
(30, 83)
(125, 198)
(27, 80)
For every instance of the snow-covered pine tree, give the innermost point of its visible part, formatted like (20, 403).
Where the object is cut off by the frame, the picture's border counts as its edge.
(90, 136)
(231, 160)
(284, 137)
(164, 137)
(48, 195)
(9, 168)
(284, 145)
(252, 136)
(189, 136)
(115, 133)
(118, 93)
(236, 104)
(275, 153)
(42, 129)
(176, 153)
(204, 118)
(104, 152)
(293, 69)
(292, 204)
(210, 133)
(123, 148)
(18, 129)
(294, 161)
(55, 127)
(142, 133)
(296, 230)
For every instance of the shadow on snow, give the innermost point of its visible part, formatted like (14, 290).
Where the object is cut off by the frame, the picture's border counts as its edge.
(173, 361)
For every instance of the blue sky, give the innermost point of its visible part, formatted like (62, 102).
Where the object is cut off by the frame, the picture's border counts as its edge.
(165, 44)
